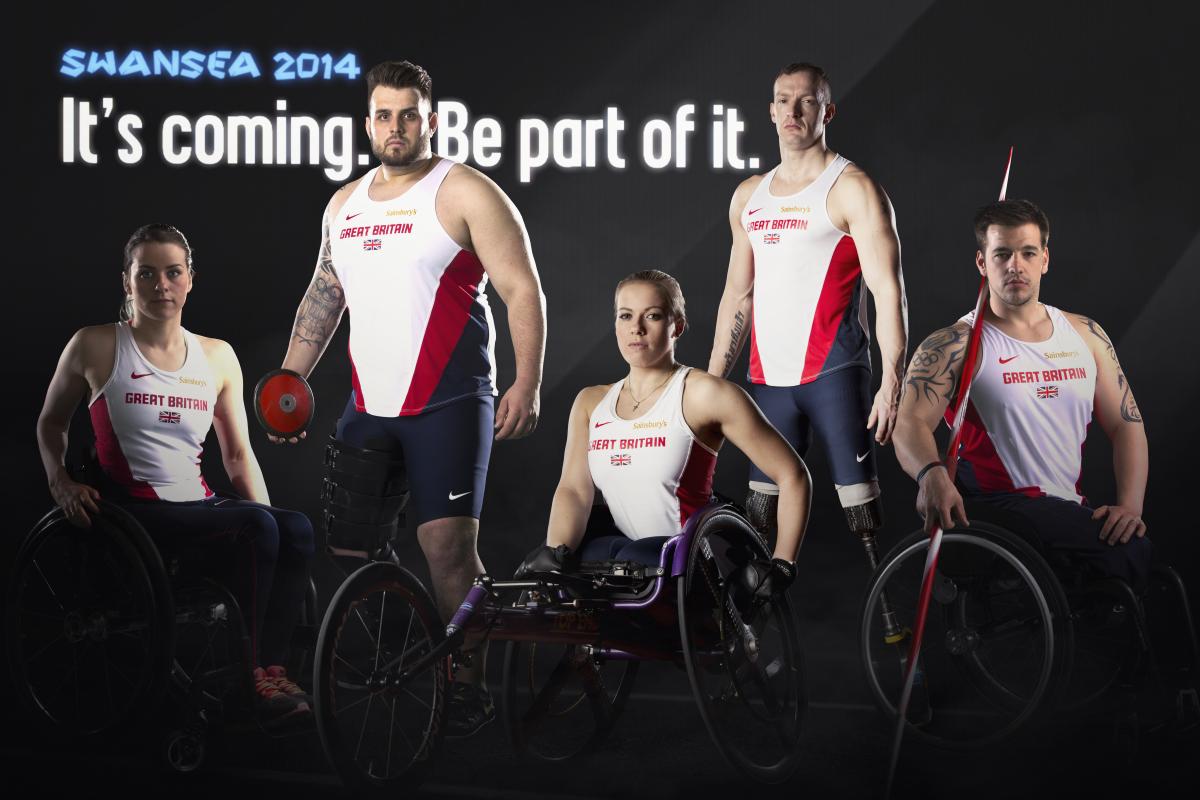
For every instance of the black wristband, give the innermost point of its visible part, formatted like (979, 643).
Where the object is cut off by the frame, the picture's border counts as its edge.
(926, 468)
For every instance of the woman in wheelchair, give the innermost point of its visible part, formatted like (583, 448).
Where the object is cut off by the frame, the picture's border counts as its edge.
(648, 443)
(154, 389)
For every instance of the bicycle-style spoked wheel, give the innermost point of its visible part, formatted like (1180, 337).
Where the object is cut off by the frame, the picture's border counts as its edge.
(744, 664)
(89, 626)
(995, 636)
(559, 701)
(380, 720)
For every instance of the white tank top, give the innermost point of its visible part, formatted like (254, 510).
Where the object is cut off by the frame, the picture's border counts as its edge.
(421, 332)
(1028, 414)
(808, 316)
(150, 424)
(653, 472)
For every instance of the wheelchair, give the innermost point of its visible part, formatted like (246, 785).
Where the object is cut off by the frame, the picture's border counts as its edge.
(102, 627)
(575, 640)
(1015, 636)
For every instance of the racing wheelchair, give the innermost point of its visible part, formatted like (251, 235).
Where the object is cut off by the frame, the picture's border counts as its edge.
(102, 625)
(575, 639)
(1014, 634)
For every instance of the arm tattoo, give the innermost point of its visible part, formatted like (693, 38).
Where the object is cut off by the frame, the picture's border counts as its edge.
(735, 340)
(931, 372)
(1129, 407)
(323, 303)
(325, 261)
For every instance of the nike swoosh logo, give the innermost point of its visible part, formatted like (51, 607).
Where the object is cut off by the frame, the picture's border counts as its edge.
(454, 496)
(1006, 360)
(755, 211)
(135, 376)
(601, 424)
(864, 455)
(352, 216)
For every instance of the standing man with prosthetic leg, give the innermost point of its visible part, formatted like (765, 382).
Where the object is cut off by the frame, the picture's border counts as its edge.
(409, 249)
(1040, 375)
(806, 236)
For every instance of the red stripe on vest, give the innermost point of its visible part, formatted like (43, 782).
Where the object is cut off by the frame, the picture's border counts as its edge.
(756, 369)
(695, 482)
(456, 294)
(836, 292)
(360, 405)
(108, 450)
(978, 451)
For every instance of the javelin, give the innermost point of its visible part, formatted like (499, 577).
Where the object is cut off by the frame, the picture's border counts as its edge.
(935, 536)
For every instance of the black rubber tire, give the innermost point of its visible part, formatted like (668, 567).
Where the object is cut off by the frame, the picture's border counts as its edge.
(89, 624)
(997, 642)
(378, 613)
(751, 706)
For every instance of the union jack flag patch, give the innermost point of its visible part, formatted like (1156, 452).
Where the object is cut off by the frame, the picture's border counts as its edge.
(372, 244)
(620, 461)
(1047, 391)
(771, 238)
(169, 416)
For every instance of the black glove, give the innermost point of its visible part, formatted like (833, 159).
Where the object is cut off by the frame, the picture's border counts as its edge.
(545, 558)
(759, 581)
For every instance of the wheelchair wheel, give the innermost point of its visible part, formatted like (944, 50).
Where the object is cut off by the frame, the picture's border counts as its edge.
(559, 701)
(89, 624)
(1109, 649)
(380, 724)
(744, 666)
(211, 663)
(997, 635)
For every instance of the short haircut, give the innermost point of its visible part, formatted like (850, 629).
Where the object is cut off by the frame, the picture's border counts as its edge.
(668, 289)
(1009, 214)
(400, 75)
(824, 87)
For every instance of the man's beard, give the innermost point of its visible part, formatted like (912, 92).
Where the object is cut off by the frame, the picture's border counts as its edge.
(405, 157)
(1013, 296)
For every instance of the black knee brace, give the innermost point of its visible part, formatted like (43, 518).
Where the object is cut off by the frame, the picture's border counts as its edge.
(865, 519)
(364, 495)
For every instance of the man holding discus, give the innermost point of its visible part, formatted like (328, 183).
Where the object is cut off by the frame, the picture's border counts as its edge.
(408, 248)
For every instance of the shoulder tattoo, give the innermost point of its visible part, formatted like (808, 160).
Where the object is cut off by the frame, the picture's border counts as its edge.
(931, 373)
(1129, 407)
(325, 259)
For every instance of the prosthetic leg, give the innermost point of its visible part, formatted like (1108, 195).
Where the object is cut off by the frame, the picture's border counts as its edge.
(864, 519)
(364, 496)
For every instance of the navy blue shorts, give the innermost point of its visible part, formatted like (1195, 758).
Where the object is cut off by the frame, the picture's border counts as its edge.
(837, 406)
(445, 450)
(1066, 533)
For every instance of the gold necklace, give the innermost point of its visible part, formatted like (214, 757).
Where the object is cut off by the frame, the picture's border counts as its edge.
(646, 396)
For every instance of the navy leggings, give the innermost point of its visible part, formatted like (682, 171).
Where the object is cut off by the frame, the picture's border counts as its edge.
(1067, 533)
(261, 553)
(602, 541)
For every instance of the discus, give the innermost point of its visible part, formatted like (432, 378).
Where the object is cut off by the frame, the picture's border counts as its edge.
(283, 403)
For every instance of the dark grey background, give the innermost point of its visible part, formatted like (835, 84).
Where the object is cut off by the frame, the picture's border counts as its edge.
(1097, 99)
